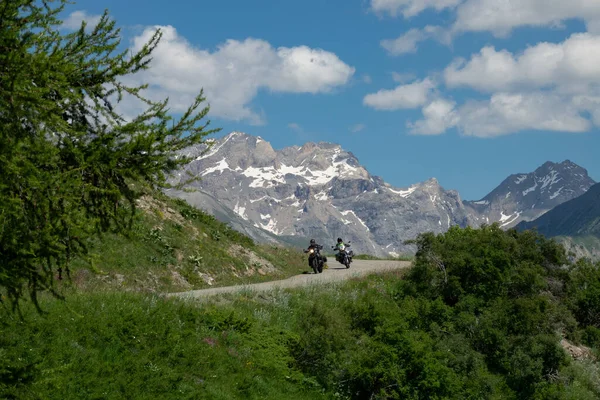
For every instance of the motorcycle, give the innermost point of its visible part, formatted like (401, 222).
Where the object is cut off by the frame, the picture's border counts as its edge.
(344, 254)
(315, 259)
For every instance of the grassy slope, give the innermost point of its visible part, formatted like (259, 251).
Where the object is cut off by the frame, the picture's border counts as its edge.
(134, 346)
(286, 344)
(176, 247)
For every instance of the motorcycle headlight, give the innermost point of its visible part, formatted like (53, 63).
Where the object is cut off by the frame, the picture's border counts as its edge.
(311, 251)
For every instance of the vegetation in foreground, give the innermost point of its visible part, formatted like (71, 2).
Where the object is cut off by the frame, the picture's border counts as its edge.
(173, 247)
(482, 314)
(72, 165)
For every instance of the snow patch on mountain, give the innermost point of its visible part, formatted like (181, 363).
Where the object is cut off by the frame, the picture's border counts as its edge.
(520, 179)
(403, 193)
(508, 219)
(550, 179)
(271, 226)
(241, 211)
(555, 194)
(220, 167)
(345, 213)
(531, 189)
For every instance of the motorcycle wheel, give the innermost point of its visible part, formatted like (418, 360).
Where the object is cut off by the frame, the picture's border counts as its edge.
(315, 265)
(320, 267)
(347, 262)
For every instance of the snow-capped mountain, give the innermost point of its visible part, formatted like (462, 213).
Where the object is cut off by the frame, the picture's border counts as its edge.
(524, 197)
(321, 191)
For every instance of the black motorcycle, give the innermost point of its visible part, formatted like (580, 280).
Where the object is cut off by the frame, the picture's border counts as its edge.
(344, 254)
(315, 259)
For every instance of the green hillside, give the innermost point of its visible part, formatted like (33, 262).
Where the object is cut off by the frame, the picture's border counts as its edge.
(173, 247)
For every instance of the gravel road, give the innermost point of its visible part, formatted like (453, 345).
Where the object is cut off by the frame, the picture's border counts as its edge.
(333, 274)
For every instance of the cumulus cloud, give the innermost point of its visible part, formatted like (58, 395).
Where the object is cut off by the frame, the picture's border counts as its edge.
(546, 86)
(506, 113)
(501, 16)
(439, 115)
(233, 74)
(568, 66)
(407, 42)
(411, 95)
(410, 8)
(74, 20)
(498, 16)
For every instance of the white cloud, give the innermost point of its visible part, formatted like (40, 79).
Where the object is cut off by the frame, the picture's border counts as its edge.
(546, 86)
(233, 74)
(439, 115)
(590, 104)
(568, 66)
(502, 16)
(74, 20)
(410, 8)
(411, 95)
(507, 113)
(406, 43)
(357, 128)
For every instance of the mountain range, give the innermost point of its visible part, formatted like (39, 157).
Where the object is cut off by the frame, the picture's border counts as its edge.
(319, 190)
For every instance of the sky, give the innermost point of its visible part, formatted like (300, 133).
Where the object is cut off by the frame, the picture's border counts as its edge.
(465, 91)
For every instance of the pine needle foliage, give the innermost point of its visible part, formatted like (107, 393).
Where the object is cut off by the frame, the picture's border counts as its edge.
(71, 166)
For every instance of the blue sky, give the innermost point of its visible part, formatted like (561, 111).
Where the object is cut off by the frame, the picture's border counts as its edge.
(466, 91)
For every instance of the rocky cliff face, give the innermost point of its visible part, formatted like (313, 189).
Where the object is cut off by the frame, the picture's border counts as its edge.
(321, 191)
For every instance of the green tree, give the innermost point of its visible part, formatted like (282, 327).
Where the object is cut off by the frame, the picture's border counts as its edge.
(70, 165)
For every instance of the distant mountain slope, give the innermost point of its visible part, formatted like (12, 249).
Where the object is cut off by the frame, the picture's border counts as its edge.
(527, 196)
(321, 191)
(577, 217)
(209, 204)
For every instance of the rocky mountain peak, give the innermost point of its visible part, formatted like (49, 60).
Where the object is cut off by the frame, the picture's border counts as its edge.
(525, 196)
(321, 190)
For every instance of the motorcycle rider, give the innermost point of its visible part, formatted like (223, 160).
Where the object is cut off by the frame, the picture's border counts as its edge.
(313, 245)
(339, 246)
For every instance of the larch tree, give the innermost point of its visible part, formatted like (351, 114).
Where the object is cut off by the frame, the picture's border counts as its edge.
(70, 165)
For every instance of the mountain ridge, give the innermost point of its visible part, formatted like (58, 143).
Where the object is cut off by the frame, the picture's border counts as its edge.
(321, 190)
(577, 217)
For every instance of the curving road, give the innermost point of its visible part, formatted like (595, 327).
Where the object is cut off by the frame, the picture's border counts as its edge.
(333, 274)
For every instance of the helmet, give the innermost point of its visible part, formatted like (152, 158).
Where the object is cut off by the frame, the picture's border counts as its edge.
(312, 241)
(339, 240)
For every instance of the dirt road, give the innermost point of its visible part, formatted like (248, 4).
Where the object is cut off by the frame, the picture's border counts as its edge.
(336, 272)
